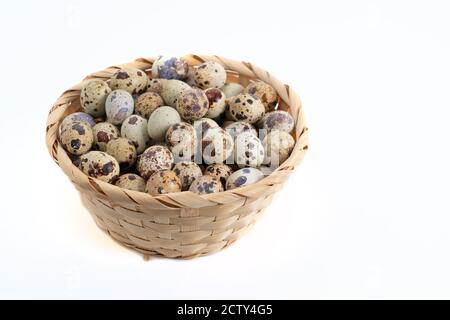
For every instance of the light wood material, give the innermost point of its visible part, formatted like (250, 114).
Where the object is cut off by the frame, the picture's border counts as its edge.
(183, 224)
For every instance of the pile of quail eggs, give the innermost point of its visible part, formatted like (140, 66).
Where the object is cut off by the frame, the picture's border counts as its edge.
(181, 128)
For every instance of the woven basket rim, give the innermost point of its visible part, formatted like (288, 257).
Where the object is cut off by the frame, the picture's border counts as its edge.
(103, 74)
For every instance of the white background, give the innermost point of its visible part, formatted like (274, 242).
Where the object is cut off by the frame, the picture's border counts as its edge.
(366, 215)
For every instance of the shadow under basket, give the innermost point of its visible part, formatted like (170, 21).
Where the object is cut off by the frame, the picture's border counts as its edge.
(182, 224)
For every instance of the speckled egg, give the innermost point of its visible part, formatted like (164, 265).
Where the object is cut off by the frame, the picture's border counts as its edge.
(134, 128)
(132, 80)
(232, 89)
(162, 182)
(77, 117)
(160, 120)
(193, 104)
(205, 185)
(100, 165)
(245, 107)
(236, 128)
(248, 150)
(93, 97)
(123, 150)
(171, 90)
(264, 92)
(170, 68)
(190, 79)
(155, 158)
(203, 125)
(156, 85)
(103, 133)
(77, 138)
(243, 177)
(131, 181)
(181, 140)
(147, 102)
(210, 74)
(220, 171)
(217, 105)
(119, 105)
(217, 145)
(278, 146)
(278, 120)
(187, 172)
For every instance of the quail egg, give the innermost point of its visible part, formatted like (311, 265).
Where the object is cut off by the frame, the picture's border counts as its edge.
(160, 120)
(187, 172)
(210, 74)
(243, 177)
(171, 91)
(220, 171)
(181, 140)
(76, 117)
(264, 92)
(100, 165)
(131, 181)
(155, 158)
(147, 102)
(77, 137)
(236, 128)
(216, 99)
(190, 79)
(170, 68)
(134, 128)
(156, 85)
(217, 145)
(278, 120)
(192, 104)
(244, 107)
(162, 182)
(103, 133)
(119, 105)
(132, 80)
(205, 185)
(93, 97)
(278, 146)
(232, 89)
(248, 150)
(123, 150)
(202, 125)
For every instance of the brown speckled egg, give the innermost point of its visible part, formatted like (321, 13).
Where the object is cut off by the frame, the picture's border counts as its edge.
(210, 74)
(205, 185)
(131, 80)
(171, 90)
(77, 138)
(248, 150)
(264, 92)
(77, 117)
(216, 99)
(220, 171)
(278, 146)
(162, 182)
(236, 128)
(193, 104)
(278, 120)
(103, 133)
(245, 107)
(202, 125)
(134, 128)
(155, 158)
(181, 140)
(170, 68)
(217, 145)
(100, 165)
(156, 85)
(123, 150)
(146, 103)
(243, 177)
(187, 172)
(232, 89)
(131, 181)
(93, 97)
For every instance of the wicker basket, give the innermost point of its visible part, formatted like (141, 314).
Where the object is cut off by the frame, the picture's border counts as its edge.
(183, 224)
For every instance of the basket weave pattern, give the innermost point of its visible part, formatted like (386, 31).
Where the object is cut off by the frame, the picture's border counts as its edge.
(183, 224)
